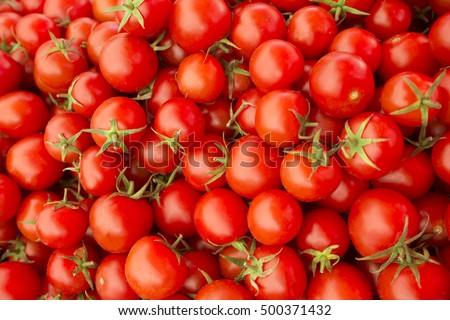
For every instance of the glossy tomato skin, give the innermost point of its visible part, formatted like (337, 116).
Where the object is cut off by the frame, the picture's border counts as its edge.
(276, 117)
(118, 221)
(221, 207)
(247, 117)
(444, 113)
(377, 219)
(440, 46)
(275, 64)
(153, 270)
(128, 62)
(100, 6)
(343, 282)
(217, 117)
(287, 281)
(10, 73)
(254, 24)
(439, 157)
(311, 29)
(434, 283)
(253, 167)
(174, 212)
(274, 217)
(18, 281)
(165, 87)
(79, 30)
(223, 289)
(30, 165)
(67, 10)
(384, 154)
(110, 280)
(195, 31)
(99, 36)
(10, 198)
(341, 84)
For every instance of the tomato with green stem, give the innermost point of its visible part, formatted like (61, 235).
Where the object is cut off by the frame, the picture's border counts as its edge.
(64, 11)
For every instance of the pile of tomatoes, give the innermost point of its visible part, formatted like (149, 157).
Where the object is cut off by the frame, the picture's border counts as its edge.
(213, 149)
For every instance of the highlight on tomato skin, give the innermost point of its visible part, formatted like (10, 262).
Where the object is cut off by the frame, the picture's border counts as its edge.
(224, 149)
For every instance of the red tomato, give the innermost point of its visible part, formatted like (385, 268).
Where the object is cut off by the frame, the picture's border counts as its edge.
(164, 87)
(10, 73)
(274, 217)
(10, 198)
(153, 269)
(18, 281)
(99, 36)
(64, 11)
(439, 157)
(223, 289)
(439, 43)
(341, 84)
(80, 29)
(224, 208)
(100, 6)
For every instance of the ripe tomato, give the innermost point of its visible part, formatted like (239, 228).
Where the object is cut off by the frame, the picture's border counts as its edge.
(253, 167)
(128, 62)
(247, 105)
(10, 73)
(275, 64)
(99, 36)
(274, 217)
(100, 6)
(164, 87)
(378, 218)
(223, 289)
(118, 221)
(30, 165)
(80, 29)
(440, 46)
(10, 198)
(18, 281)
(341, 84)
(440, 155)
(110, 280)
(153, 269)
(343, 282)
(195, 31)
(64, 11)
(217, 117)
(199, 263)
(224, 208)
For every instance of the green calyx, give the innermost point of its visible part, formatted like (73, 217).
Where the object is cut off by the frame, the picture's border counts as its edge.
(15, 252)
(304, 124)
(159, 182)
(323, 258)
(66, 145)
(231, 70)
(339, 9)
(68, 97)
(223, 161)
(131, 8)
(233, 123)
(62, 46)
(423, 102)
(173, 142)
(354, 143)
(80, 258)
(64, 203)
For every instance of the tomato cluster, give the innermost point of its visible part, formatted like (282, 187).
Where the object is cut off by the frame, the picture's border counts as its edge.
(213, 149)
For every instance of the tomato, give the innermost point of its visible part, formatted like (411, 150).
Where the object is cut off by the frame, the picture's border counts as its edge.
(10, 73)
(345, 194)
(153, 269)
(253, 167)
(64, 11)
(8, 231)
(174, 54)
(164, 87)
(275, 64)
(30, 165)
(34, 29)
(321, 229)
(432, 208)
(224, 208)
(413, 176)
(57, 63)
(377, 220)
(201, 77)
(274, 217)
(80, 29)
(439, 157)
(246, 105)
(110, 280)
(223, 289)
(360, 42)
(309, 173)
(18, 281)
(343, 282)
(64, 140)
(32, 6)
(399, 93)
(444, 85)
(341, 84)
(373, 145)
(285, 277)
(143, 18)
(118, 221)
(8, 23)
(434, 282)
(61, 225)
(407, 51)
(254, 24)
(441, 7)
(98, 173)
(289, 5)
(174, 209)
(217, 117)
(118, 122)
(199, 263)
(311, 29)
(440, 46)
(180, 119)
(97, 39)
(277, 117)
(388, 18)
(128, 62)
(100, 6)
(72, 270)
(195, 31)
(10, 198)
(29, 209)
(203, 166)
(342, 9)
